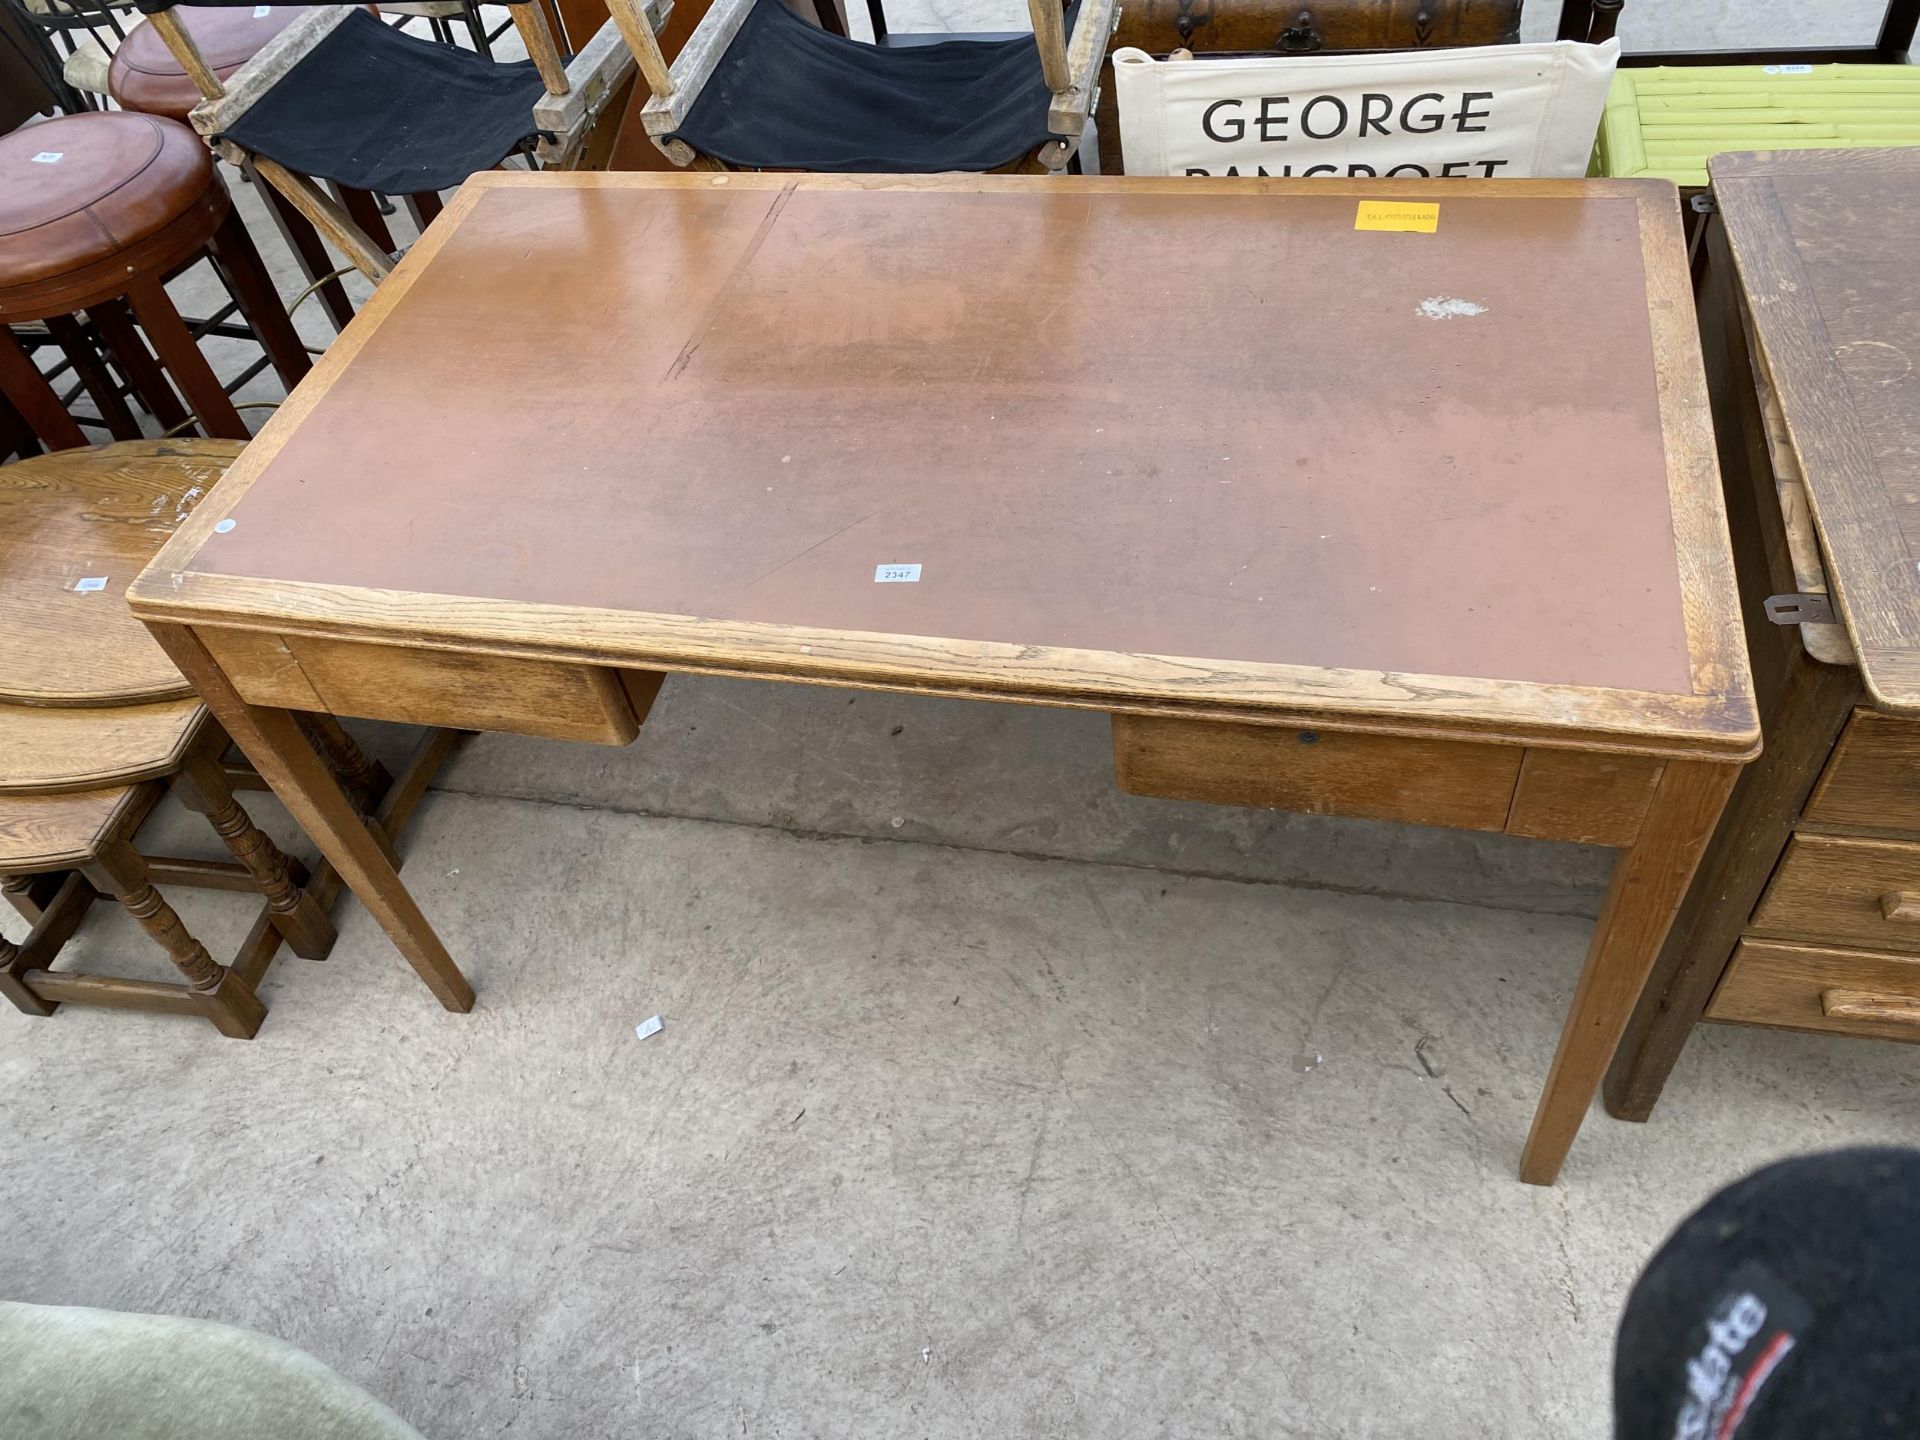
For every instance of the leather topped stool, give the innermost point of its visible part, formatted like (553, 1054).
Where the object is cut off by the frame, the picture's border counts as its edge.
(97, 212)
(145, 77)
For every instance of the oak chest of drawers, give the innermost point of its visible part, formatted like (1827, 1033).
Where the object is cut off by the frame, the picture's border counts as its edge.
(1805, 911)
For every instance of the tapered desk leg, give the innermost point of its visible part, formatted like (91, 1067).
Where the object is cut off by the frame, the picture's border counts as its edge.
(271, 739)
(1649, 881)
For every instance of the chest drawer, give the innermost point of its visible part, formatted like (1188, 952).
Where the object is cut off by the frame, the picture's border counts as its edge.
(1847, 891)
(1873, 776)
(1810, 987)
(1305, 26)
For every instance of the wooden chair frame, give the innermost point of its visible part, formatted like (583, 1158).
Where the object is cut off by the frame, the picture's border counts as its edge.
(1071, 69)
(576, 96)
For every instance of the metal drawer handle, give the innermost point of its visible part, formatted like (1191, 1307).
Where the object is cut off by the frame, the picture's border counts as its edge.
(1865, 1005)
(1900, 905)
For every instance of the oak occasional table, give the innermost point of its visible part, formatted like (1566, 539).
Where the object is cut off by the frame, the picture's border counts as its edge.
(1806, 910)
(1335, 501)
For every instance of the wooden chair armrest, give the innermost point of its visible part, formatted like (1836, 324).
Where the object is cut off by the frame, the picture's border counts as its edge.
(226, 104)
(596, 74)
(1093, 29)
(694, 67)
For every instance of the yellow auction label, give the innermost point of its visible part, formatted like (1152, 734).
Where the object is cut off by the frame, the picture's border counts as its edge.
(1398, 215)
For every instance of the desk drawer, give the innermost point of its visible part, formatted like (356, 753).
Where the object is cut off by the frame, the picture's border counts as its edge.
(1843, 890)
(1319, 772)
(552, 699)
(1809, 987)
(1873, 776)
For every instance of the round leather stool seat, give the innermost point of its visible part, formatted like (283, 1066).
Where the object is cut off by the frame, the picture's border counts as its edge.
(90, 202)
(144, 75)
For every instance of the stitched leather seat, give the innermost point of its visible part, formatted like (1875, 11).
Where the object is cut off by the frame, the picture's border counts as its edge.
(144, 75)
(89, 201)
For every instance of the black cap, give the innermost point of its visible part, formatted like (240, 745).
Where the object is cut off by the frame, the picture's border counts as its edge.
(1785, 1308)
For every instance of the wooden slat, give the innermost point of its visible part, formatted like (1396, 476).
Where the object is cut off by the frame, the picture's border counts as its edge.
(693, 67)
(112, 991)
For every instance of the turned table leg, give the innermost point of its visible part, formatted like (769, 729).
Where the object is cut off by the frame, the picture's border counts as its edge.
(361, 777)
(234, 1009)
(1649, 881)
(202, 786)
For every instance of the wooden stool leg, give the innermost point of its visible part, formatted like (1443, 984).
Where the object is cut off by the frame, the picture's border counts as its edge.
(202, 786)
(234, 1010)
(99, 382)
(1649, 881)
(305, 243)
(13, 988)
(239, 265)
(150, 385)
(24, 385)
(359, 776)
(212, 407)
(425, 205)
(28, 894)
(65, 898)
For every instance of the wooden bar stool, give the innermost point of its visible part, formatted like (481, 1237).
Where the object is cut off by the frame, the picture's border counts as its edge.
(145, 77)
(97, 212)
(96, 726)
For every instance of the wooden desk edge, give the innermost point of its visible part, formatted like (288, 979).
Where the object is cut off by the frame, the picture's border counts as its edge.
(1717, 727)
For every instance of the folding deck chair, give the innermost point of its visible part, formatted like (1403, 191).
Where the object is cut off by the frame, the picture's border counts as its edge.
(758, 88)
(340, 96)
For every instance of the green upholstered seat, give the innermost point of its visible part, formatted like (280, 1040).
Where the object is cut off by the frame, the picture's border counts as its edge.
(73, 1374)
(1667, 121)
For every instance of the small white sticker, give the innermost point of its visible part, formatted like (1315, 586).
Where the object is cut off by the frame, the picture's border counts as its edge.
(1789, 69)
(651, 1026)
(90, 584)
(223, 527)
(48, 157)
(895, 574)
(260, 12)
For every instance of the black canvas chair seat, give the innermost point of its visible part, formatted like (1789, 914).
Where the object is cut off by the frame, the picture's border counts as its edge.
(374, 109)
(788, 96)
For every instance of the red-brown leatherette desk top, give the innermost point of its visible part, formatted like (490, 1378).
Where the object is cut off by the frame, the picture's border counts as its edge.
(1115, 418)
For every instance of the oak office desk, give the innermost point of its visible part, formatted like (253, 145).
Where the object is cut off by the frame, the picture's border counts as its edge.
(1188, 452)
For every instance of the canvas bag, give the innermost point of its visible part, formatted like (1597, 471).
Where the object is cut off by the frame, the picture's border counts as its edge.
(1504, 111)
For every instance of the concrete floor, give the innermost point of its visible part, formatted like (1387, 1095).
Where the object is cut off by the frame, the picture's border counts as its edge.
(990, 1101)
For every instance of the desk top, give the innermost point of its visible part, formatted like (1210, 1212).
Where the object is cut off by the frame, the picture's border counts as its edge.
(1823, 243)
(1171, 446)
